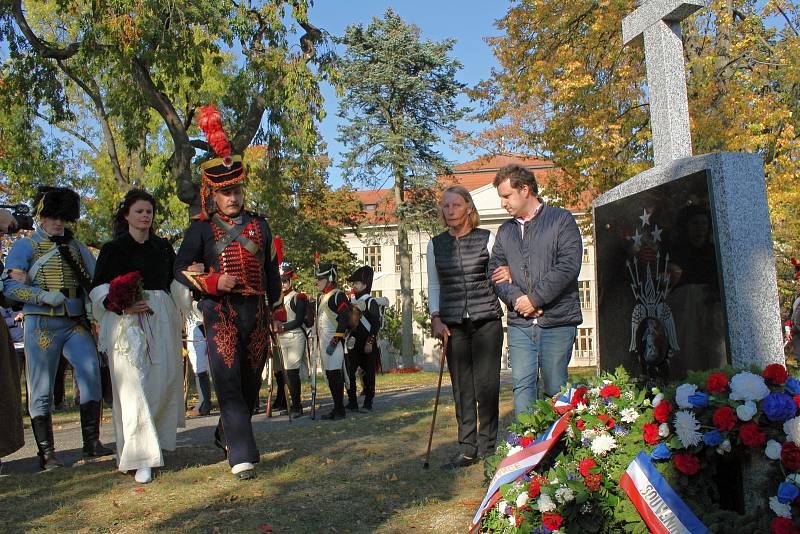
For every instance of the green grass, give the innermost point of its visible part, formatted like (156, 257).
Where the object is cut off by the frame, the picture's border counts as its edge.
(363, 474)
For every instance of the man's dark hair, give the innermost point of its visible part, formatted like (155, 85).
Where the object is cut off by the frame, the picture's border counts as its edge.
(518, 177)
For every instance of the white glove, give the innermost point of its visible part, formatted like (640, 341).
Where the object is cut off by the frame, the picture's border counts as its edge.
(51, 298)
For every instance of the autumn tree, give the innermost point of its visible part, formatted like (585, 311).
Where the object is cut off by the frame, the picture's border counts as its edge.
(399, 98)
(132, 60)
(567, 90)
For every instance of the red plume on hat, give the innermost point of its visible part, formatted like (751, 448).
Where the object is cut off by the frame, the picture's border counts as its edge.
(796, 265)
(279, 248)
(210, 121)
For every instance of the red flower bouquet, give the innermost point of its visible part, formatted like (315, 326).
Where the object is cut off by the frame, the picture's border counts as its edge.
(124, 291)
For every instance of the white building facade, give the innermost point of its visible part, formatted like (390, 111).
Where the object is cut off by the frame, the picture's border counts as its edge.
(377, 247)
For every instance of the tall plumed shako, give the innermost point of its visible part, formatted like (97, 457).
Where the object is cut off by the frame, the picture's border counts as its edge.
(327, 271)
(57, 202)
(225, 170)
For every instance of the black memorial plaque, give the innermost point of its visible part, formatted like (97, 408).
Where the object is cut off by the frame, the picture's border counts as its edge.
(660, 304)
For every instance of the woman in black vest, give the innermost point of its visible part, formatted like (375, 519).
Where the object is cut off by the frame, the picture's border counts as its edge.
(463, 304)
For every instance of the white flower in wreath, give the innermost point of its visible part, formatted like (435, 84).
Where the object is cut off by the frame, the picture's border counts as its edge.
(780, 509)
(564, 495)
(746, 411)
(773, 450)
(687, 427)
(502, 506)
(794, 478)
(581, 407)
(657, 399)
(512, 520)
(513, 450)
(628, 395)
(683, 393)
(594, 392)
(748, 386)
(663, 430)
(724, 447)
(629, 415)
(545, 503)
(522, 498)
(589, 434)
(603, 444)
(792, 429)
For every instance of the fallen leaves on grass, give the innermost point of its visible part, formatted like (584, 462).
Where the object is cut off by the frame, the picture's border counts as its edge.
(265, 528)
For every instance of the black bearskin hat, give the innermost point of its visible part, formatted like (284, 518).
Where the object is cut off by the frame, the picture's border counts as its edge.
(326, 270)
(363, 274)
(57, 202)
(287, 272)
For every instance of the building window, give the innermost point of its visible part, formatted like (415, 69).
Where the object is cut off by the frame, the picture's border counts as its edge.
(377, 293)
(372, 257)
(585, 254)
(584, 344)
(397, 258)
(370, 207)
(585, 294)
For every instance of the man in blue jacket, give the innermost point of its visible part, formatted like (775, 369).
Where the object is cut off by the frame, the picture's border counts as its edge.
(535, 264)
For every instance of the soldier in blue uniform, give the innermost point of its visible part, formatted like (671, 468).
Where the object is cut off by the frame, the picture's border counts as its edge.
(50, 273)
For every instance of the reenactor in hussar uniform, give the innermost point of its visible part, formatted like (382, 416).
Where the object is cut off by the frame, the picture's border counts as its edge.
(333, 319)
(51, 274)
(288, 323)
(364, 335)
(228, 256)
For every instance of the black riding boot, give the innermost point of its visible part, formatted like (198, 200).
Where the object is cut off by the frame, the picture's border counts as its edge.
(204, 385)
(42, 426)
(294, 391)
(336, 383)
(90, 427)
(280, 397)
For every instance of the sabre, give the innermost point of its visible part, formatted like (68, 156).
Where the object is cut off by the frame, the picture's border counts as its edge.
(277, 344)
(270, 385)
(312, 374)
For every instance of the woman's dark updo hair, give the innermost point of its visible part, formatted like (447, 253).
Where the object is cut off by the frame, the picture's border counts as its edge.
(134, 195)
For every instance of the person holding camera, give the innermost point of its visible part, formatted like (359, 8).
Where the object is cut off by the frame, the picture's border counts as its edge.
(11, 435)
(50, 273)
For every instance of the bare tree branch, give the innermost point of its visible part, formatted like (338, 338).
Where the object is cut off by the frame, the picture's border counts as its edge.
(250, 124)
(74, 133)
(43, 48)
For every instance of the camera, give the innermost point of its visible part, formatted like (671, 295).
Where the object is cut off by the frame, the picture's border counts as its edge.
(22, 214)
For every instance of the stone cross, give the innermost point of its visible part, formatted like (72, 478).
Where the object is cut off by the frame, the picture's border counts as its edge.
(658, 24)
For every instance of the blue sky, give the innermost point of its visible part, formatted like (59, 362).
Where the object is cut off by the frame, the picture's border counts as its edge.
(467, 21)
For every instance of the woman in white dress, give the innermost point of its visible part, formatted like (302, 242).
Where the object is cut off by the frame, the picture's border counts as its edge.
(143, 340)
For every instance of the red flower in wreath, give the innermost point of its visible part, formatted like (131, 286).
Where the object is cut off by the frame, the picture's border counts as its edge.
(686, 463)
(592, 482)
(585, 465)
(124, 291)
(524, 442)
(580, 424)
(662, 411)
(651, 433)
(790, 456)
(607, 419)
(579, 397)
(724, 419)
(783, 525)
(552, 521)
(751, 435)
(717, 383)
(609, 391)
(797, 400)
(776, 374)
(534, 488)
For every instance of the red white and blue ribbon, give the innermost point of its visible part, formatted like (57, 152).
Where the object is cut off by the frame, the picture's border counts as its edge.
(661, 508)
(518, 464)
(563, 402)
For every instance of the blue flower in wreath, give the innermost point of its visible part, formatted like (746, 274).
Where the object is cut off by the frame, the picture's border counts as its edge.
(792, 385)
(787, 492)
(661, 452)
(512, 439)
(699, 399)
(779, 407)
(712, 438)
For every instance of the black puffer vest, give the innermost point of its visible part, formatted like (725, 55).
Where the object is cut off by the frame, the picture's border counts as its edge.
(462, 267)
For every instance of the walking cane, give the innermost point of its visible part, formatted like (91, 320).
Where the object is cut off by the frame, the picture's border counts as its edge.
(426, 465)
